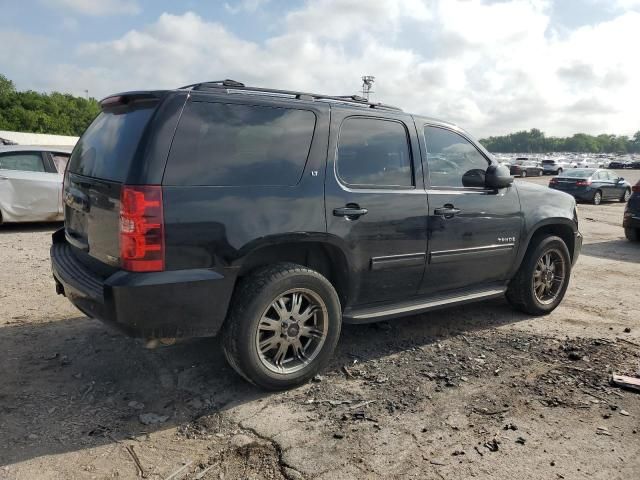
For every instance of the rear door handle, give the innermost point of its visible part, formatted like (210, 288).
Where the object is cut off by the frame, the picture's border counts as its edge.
(446, 211)
(351, 211)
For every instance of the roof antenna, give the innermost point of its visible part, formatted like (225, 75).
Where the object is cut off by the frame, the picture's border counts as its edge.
(367, 85)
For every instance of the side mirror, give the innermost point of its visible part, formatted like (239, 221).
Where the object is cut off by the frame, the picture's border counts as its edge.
(620, 180)
(497, 177)
(474, 178)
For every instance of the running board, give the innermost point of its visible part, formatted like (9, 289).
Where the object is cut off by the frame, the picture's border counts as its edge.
(385, 312)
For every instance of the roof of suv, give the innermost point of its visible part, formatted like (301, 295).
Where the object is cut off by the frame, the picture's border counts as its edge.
(218, 87)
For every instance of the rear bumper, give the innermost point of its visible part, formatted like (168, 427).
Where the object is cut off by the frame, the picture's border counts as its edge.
(585, 194)
(180, 303)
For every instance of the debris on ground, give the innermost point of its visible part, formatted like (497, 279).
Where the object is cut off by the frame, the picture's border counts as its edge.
(629, 383)
(152, 418)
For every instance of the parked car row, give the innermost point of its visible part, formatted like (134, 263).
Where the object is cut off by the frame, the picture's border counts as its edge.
(556, 164)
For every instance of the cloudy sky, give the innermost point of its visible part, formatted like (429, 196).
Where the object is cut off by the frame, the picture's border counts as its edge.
(492, 66)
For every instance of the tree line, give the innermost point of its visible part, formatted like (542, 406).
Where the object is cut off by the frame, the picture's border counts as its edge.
(535, 141)
(54, 113)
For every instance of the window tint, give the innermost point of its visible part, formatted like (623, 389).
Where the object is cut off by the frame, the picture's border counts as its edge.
(107, 147)
(60, 160)
(225, 144)
(26, 162)
(374, 152)
(612, 176)
(450, 157)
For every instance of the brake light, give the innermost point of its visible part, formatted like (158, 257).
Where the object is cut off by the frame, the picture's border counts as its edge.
(583, 183)
(553, 180)
(141, 228)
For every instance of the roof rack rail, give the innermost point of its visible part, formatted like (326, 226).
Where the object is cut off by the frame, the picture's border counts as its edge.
(223, 83)
(239, 87)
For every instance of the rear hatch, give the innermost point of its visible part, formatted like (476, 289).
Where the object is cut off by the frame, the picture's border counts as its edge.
(98, 168)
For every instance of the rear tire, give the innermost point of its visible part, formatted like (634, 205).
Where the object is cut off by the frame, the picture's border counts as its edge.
(626, 195)
(523, 174)
(632, 234)
(535, 290)
(264, 335)
(540, 173)
(559, 172)
(597, 198)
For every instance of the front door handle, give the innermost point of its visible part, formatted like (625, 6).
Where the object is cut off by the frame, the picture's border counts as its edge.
(446, 211)
(352, 211)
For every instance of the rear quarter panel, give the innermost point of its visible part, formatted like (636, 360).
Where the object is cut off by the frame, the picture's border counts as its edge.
(216, 226)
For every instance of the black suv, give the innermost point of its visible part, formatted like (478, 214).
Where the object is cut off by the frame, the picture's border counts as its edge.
(272, 216)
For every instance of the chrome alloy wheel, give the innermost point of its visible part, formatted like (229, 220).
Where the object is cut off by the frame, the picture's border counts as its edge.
(549, 276)
(292, 331)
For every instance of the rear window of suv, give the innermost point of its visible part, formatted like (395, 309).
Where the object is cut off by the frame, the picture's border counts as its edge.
(222, 144)
(108, 146)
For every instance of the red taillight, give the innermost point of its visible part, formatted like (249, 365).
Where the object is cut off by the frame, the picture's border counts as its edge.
(141, 228)
(583, 183)
(553, 180)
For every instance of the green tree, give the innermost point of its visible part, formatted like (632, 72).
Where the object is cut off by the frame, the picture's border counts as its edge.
(54, 113)
(534, 141)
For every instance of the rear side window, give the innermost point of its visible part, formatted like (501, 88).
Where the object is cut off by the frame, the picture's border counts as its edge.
(236, 145)
(374, 152)
(24, 162)
(108, 146)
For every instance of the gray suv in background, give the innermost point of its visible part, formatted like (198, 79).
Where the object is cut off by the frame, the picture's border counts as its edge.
(555, 165)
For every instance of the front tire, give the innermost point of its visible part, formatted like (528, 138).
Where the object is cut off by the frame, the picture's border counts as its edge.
(542, 280)
(523, 174)
(559, 172)
(632, 234)
(626, 196)
(597, 198)
(283, 326)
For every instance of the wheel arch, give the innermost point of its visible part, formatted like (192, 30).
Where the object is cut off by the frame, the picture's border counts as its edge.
(560, 227)
(320, 255)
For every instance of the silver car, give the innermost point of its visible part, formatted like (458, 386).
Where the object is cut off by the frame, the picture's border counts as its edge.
(556, 165)
(31, 183)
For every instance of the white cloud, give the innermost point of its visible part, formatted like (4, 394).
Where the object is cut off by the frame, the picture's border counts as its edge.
(248, 6)
(490, 67)
(97, 7)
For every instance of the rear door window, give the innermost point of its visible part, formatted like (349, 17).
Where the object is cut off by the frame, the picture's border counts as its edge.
(23, 161)
(374, 152)
(107, 147)
(222, 144)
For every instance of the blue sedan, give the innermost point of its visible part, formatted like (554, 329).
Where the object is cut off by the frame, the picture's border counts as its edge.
(592, 185)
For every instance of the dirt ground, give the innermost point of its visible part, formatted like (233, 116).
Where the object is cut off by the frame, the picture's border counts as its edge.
(476, 391)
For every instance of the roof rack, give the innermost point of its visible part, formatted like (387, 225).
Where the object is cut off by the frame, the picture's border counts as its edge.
(234, 86)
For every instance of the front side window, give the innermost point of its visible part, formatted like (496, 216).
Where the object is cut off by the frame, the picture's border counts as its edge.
(237, 145)
(25, 162)
(452, 160)
(374, 153)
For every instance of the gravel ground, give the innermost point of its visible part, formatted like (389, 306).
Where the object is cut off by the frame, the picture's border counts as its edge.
(476, 391)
